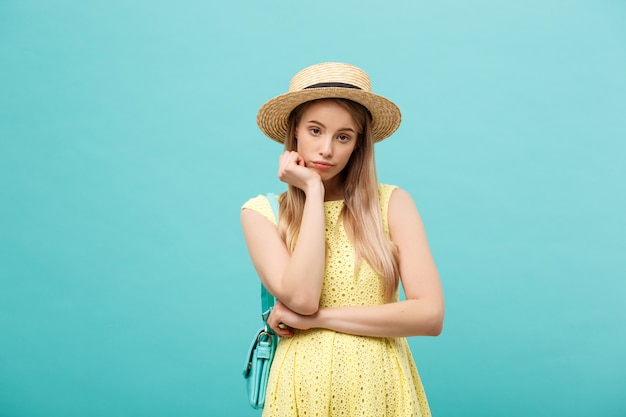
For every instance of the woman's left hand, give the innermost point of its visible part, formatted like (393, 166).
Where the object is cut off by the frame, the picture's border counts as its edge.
(284, 321)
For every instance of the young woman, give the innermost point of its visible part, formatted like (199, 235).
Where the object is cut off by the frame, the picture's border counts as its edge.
(336, 256)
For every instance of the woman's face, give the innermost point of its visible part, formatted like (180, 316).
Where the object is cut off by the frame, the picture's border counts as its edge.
(326, 136)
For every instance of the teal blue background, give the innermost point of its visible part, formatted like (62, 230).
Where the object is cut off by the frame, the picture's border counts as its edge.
(128, 144)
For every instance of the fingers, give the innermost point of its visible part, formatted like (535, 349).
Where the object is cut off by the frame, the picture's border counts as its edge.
(280, 329)
(287, 161)
(283, 332)
(275, 321)
(292, 170)
(289, 157)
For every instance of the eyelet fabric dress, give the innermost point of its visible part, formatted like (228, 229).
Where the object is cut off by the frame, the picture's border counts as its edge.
(323, 373)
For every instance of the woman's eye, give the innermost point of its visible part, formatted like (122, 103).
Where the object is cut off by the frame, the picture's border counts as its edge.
(314, 131)
(344, 138)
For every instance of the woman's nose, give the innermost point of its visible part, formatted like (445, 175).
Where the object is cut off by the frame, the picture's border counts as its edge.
(326, 147)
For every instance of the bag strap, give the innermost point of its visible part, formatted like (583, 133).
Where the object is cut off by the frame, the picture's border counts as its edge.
(267, 299)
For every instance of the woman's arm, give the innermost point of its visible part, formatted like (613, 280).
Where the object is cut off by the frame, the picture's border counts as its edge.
(420, 314)
(294, 279)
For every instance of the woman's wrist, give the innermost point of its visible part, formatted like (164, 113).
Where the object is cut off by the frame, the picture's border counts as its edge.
(316, 321)
(314, 188)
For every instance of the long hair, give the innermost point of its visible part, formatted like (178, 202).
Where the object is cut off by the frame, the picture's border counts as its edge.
(361, 214)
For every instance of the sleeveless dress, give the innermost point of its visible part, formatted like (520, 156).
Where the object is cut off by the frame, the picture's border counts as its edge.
(323, 373)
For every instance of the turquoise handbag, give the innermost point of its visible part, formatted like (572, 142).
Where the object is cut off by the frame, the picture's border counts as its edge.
(261, 353)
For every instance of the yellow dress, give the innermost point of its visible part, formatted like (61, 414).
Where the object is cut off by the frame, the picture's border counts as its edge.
(323, 373)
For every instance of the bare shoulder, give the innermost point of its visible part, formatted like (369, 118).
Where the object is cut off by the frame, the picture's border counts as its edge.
(258, 222)
(401, 203)
(255, 221)
(261, 205)
(403, 215)
(265, 246)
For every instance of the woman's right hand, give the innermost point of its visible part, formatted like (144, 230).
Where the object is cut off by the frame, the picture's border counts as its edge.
(293, 171)
(285, 322)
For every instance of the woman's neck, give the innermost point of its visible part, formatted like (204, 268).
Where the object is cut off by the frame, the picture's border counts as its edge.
(333, 190)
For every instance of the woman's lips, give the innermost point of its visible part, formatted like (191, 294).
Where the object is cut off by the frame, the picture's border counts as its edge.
(321, 165)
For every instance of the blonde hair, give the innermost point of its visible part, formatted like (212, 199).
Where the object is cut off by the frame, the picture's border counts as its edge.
(361, 214)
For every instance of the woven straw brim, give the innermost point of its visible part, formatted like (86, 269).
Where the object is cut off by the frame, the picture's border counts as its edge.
(273, 116)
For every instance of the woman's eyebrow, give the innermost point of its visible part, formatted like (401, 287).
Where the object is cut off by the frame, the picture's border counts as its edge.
(316, 122)
(339, 130)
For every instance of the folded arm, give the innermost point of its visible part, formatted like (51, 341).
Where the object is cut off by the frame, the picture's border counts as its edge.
(296, 278)
(419, 315)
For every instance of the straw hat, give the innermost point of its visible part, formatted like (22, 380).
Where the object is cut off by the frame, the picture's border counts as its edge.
(329, 80)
